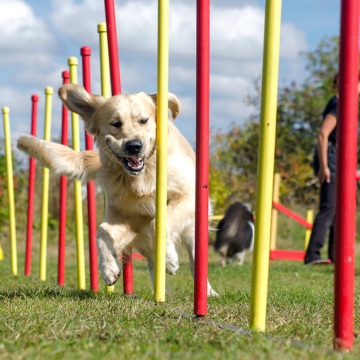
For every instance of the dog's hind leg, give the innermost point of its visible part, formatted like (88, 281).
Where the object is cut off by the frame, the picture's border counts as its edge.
(190, 247)
(172, 258)
(240, 257)
(145, 246)
(150, 265)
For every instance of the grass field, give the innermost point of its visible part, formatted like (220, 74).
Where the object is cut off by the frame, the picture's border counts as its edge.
(39, 320)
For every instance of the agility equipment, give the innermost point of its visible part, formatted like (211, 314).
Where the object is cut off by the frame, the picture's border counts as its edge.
(346, 167)
(260, 270)
(347, 130)
(276, 254)
(10, 182)
(310, 220)
(86, 53)
(161, 152)
(274, 212)
(202, 156)
(34, 100)
(128, 286)
(73, 62)
(346, 163)
(105, 86)
(286, 254)
(63, 191)
(104, 61)
(45, 195)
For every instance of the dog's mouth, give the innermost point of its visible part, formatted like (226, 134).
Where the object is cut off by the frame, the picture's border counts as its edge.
(133, 165)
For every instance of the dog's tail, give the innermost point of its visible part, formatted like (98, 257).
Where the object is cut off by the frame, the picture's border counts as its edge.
(61, 159)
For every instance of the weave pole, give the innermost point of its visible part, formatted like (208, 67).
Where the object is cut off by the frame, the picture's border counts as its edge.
(345, 182)
(104, 61)
(105, 85)
(45, 195)
(86, 53)
(63, 190)
(73, 62)
(116, 89)
(202, 156)
(161, 150)
(274, 211)
(30, 216)
(260, 269)
(9, 170)
(310, 220)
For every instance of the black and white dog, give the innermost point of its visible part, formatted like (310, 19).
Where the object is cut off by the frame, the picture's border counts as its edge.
(235, 234)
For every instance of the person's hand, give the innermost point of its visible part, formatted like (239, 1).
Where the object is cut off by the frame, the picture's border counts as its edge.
(324, 175)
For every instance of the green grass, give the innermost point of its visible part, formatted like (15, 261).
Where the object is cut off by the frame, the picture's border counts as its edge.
(39, 320)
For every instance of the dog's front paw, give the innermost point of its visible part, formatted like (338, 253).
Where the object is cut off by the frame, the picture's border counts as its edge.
(172, 267)
(110, 270)
(212, 293)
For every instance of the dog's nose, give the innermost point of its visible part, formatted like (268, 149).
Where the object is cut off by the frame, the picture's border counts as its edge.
(133, 147)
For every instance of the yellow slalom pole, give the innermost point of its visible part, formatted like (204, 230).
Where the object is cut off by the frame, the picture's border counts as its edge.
(161, 152)
(1, 254)
(260, 270)
(105, 87)
(104, 61)
(45, 195)
(216, 217)
(73, 62)
(309, 219)
(9, 168)
(274, 212)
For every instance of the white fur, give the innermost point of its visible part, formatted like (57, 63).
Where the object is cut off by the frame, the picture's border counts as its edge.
(251, 248)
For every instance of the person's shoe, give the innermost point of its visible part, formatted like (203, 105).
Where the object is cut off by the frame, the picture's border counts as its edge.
(320, 262)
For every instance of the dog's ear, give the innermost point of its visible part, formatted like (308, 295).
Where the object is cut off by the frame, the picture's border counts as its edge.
(173, 104)
(79, 101)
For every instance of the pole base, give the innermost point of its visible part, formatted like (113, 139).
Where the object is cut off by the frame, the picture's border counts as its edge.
(199, 317)
(131, 296)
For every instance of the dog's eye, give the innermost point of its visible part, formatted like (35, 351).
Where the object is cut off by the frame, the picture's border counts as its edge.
(116, 124)
(144, 121)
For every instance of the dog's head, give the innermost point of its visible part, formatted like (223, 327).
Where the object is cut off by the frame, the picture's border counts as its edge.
(124, 126)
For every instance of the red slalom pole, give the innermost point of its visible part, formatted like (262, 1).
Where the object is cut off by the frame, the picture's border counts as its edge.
(63, 191)
(85, 53)
(34, 100)
(202, 156)
(113, 47)
(128, 286)
(345, 181)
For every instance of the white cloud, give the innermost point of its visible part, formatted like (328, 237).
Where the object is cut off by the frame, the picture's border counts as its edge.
(223, 112)
(230, 87)
(292, 41)
(24, 37)
(12, 98)
(236, 32)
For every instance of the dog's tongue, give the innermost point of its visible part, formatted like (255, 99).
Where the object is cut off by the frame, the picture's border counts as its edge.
(133, 161)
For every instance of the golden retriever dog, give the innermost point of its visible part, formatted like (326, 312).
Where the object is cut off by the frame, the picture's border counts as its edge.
(124, 128)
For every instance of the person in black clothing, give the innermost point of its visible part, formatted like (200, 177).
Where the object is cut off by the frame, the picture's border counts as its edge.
(325, 169)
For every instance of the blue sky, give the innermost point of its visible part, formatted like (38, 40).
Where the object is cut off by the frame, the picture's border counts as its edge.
(37, 38)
